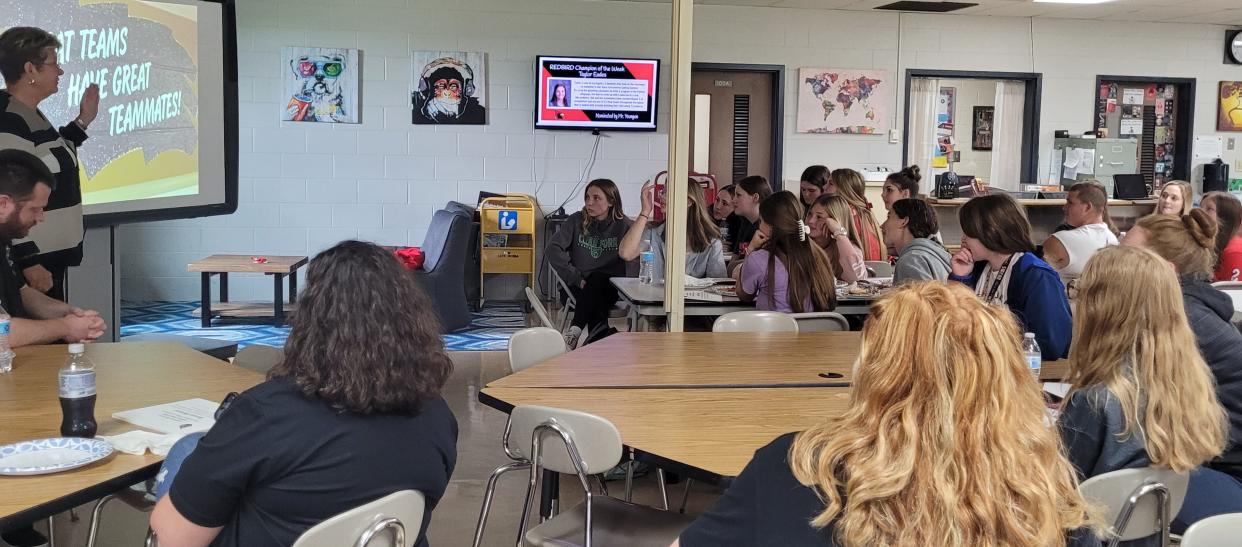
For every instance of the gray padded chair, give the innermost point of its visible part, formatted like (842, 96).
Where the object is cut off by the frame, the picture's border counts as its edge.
(1217, 531)
(394, 520)
(1139, 502)
(443, 275)
(581, 444)
(821, 321)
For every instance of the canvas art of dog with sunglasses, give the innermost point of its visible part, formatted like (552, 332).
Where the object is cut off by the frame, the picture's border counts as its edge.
(322, 85)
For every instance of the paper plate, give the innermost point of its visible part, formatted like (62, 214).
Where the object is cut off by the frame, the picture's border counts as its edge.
(54, 455)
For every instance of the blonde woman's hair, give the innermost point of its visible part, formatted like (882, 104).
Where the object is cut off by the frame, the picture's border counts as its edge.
(1131, 336)
(1188, 241)
(944, 441)
(851, 186)
(701, 230)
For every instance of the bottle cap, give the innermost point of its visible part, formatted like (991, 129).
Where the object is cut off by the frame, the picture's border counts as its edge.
(1029, 335)
(77, 348)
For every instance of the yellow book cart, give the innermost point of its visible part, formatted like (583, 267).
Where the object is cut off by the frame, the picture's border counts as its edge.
(507, 237)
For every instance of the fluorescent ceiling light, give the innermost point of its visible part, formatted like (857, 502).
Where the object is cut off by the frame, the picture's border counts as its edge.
(1071, 1)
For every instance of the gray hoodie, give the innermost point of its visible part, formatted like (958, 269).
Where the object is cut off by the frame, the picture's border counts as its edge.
(921, 260)
(575, 254)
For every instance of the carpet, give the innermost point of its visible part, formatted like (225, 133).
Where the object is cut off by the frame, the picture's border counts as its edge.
(489, 330)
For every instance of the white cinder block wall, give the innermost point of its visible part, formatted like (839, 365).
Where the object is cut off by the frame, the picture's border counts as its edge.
(304, 187)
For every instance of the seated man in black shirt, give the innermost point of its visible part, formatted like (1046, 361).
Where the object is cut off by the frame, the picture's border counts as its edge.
(25, 184)
(352, 414)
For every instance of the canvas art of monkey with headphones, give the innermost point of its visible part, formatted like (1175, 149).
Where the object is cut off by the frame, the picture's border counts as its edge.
(449, 88)
(322, 84)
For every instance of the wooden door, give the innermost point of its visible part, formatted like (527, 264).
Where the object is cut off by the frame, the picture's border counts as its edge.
(731, 124)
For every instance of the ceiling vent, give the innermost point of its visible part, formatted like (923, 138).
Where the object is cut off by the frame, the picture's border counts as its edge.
(927, 7)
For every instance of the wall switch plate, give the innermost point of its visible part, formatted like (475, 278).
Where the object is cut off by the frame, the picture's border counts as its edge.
(1229, 143)
(894, 136)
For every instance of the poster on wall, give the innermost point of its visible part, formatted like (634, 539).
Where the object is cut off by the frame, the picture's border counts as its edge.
(321, 83)
(844, 101)
(449, 88)
(1229, 112)
(946, 105)
(981, 129)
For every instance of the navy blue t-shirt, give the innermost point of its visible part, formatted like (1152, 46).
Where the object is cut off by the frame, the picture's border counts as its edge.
(278, 463)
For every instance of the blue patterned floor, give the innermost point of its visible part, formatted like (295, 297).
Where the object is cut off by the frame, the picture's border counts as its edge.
(489, 330)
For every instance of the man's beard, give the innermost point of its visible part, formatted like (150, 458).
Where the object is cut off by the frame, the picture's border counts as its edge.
(438, 108)
(13, 229)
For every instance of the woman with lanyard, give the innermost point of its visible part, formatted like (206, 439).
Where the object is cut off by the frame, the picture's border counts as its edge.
(998, 260)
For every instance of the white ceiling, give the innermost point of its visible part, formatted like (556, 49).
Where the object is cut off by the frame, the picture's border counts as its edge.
(1220, 12)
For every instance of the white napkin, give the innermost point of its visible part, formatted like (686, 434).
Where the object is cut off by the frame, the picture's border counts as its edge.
(138, 442)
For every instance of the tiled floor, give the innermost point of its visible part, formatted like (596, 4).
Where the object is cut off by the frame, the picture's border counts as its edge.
(478, 452)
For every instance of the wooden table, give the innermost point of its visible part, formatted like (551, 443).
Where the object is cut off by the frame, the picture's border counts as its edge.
(645, 301)
(222, 265)
(129, 375)
(708, 433)
(708, 360)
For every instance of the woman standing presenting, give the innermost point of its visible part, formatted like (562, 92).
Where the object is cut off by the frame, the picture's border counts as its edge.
(28, 62)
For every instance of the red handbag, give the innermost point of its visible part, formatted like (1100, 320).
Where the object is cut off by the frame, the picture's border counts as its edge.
(412, 257)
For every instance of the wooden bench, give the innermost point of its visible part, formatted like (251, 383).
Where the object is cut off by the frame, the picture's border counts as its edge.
(222, 265)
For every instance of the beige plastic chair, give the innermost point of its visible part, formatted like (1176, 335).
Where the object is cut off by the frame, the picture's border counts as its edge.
(878, 268)
(1139, 502)
(755, 321)
(540, 311)
(581, 444)
(534, 345)
(391, 521)
(1217, 531)
(821, 321)
(259, 358)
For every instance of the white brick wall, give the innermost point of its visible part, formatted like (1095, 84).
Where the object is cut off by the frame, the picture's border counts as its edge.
(304, 187)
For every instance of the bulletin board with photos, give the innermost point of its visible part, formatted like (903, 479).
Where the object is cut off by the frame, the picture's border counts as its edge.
(1147, 111)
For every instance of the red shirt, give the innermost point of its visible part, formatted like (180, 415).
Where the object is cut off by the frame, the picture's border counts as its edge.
(1230, 268)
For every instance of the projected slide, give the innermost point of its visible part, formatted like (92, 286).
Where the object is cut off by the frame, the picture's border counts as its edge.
(145, 57)
(591, 93)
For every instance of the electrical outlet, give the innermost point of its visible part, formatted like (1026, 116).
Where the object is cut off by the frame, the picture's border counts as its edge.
(1229, 143)
(894, 136)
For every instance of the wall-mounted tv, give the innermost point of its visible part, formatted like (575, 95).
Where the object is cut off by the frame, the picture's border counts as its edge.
(593, 93)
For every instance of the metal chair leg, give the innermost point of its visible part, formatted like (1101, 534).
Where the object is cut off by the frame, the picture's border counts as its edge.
(51, 532)
(73, 514)
(531, 487)
(629, 478)
(487, 497)
(603, 486)
(685, 496)
(95, 516)
(150, 541)
(663, 489)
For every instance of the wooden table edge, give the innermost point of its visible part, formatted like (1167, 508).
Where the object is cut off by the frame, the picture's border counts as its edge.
(657, 460)
(81, 497)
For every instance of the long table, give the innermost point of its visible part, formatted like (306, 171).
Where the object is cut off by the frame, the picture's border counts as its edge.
(645, 301)
(709, 360)
(698, 402)
(128, 375)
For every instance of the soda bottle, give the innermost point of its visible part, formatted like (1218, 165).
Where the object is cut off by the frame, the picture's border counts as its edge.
(77, 394)
(1030, 350)
(6, 354)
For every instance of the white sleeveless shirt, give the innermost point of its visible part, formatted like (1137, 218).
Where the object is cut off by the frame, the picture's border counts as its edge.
(1081, 244)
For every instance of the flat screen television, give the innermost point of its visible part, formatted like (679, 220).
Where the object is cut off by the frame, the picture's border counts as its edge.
(596, 93)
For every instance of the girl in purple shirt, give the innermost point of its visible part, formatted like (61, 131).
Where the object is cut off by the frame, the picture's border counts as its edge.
(788, 273)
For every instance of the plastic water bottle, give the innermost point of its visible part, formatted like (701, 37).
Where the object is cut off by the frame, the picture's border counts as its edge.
(1030, 349)
(6, 354)
(77, 394)
(646, 269)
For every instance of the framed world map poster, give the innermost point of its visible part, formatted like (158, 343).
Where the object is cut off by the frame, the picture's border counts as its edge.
(843, 101)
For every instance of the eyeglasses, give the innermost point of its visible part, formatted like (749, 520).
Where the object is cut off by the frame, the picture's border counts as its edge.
(331, 69)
